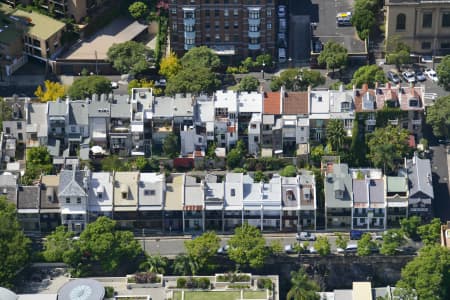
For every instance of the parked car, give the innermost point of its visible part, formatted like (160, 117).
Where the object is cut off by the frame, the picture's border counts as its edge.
(289, 249)
(161, 83)
(281, 11)
(114, 85)
(351, 249)
(378, 237)
(305, 236)
(419, 75)
(431, 74)
(356, 234)
(223, 250)
(409, 76)
(393, 77)
(344, 18)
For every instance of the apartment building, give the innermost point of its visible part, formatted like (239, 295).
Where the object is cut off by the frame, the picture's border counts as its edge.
(231, 28)
(422, 24)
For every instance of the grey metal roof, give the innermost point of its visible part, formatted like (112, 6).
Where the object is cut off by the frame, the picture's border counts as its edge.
(28, 197)
(71, 183)
(163, 107)
(120, 108)
(78, 113)
(360, 191)
(57, 108)
(37, 115)
(182, 106)
(54, 146)
(419, 177)
(99, 107)
(338, 180)
(376, 191)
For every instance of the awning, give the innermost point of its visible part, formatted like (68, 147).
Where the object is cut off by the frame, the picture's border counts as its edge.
(28, 211)
(68, 211)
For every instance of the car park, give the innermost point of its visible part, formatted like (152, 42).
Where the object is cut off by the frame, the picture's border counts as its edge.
(281, 11)
(432, 75)
(419, 75)
(409, 77)
(393, 77)
(305, 236)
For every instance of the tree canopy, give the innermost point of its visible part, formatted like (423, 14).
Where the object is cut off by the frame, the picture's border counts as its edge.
(86, 86)
(365, 245)
(57, 243)
(364, 18)
(368, 74)
(335, 133)
(410, 226)
(155, 264)
(138, 10)
(392, 240)
(333, 55)
(430, 234)
(297, 80)
(170, 65)
(130, 57)
(289, 171)
(170, 145)
(236, 155)
(398, 52)
(200, 57)
(387, 146)
(247, 247)
(38, 161)
(203, 248)
(14, 245)
(51, 92)
(322, 246)
(102, 244)
(302, 288)
(248, 84)
(438, 116)
(193, 80)
(428, 273)
(443, 72)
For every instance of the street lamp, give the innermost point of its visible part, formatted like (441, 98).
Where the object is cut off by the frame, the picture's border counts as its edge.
(262, 70)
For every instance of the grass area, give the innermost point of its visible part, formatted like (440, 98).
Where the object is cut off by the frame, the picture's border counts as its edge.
(230, 295)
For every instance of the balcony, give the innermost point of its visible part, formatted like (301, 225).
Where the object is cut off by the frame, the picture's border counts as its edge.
(254, 22)
(188, 47)
(189, 34)
(393, 122)
(254, 46)
(254, 34)
(417, 122)
(189, 22)
(371, 122)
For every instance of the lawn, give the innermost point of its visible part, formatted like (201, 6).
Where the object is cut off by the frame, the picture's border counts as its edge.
(231, 295)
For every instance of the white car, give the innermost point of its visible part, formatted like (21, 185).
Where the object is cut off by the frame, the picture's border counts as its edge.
(305, 236)
(114, 85)
(409, 77)
(431, 74)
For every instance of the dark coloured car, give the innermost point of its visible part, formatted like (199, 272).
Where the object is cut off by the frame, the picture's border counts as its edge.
(355, 234)
(394, 78)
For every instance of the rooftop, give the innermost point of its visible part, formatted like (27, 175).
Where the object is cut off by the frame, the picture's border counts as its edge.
(272, 102)
(174, 193)
(151, 190)
(39, 25)
(28, 197)
(101, 191)
(295, 103)
(9, 33)
(126, 190)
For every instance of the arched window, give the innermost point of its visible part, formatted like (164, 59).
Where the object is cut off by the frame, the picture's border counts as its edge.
(401, 22)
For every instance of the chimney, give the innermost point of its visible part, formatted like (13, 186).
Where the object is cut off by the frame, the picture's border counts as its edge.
(376, 84)
(412, 90)
(365, 87)
(388, 85)
(341, 87)
(282, 100)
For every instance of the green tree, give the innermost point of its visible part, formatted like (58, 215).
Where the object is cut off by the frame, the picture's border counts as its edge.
(38, 162)
(259, 176)
(333, 55)
(14, 245)
(430, 234)
(410, 226)
(184, 265)
(341, 241)
(335, 133)
(289, 171)
(84, 87)
(302, 288)
(203, 248)
(102, 244)
(428, 274)
(247, 247)
(265, 59)
(248, 84)
(114, 163)
(170, 145)
(438, 116)
(56, 243)
(200, 57)
(316, 154)
(297, 80)
(368, 74)
(138, 10)
(193, 80)
(364, 18)
(276, 248)
(170, 65)
(142, 164)
(322, 245)
(365, 245)
(130, 57)
(154, 263)
(236, 155)
(398, 52)
(392, 240)
(443, 72)
(387, 146)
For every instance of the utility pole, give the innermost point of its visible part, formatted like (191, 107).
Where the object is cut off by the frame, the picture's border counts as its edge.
(96, 63)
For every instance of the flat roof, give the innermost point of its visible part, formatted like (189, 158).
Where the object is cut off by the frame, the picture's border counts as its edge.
(40, 26)
(8, 31)
(119, 31)
(362, 291)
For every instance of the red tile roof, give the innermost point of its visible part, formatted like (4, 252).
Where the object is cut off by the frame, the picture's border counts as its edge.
(272, 103)
(295, 103)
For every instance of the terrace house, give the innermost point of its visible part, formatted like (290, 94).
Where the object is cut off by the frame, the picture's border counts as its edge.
(100, 196)
(141, 121)
(28, 198)
(151, 194)
(338, 196)
(50, 209)
(126, 198)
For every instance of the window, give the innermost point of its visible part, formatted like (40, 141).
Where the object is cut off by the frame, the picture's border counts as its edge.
(188, 28)
(149, 192)
(216, 25)
(20, 136)
(302, 128)
(78, 200)
(207, 26)
(73, 129)
(445, 45)
(67, 200)
(256, 139)
(235, 12)
(100, 195)
(236, 25)
(269, 12)
(226, 25)
(207, 13)
(227, 37)
(233, 192)
(216, 13)
(269, 26)
(253, 28)
(174, 27)
(173, 11)
(19, 125)
(401, 22)
(446, 19)
(124, 195)
(8, 130)
(253, 14)
(217, 37)
(225, 13)
(426, 45)
(427, 20)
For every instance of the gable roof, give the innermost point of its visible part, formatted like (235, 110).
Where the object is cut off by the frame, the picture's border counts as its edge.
(272, 103)
(71, 183)
(78, 113)
(28, 197)
(419, 175)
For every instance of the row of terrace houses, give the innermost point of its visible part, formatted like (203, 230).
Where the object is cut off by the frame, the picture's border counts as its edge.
(269, 123)
(365, 199)
(151, 201)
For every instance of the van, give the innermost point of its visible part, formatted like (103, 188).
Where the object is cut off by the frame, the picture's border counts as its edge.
(355, 234)
(281, 55)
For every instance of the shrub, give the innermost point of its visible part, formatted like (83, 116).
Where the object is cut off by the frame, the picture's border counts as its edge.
(109, 292)
(238, 286)
(203, 283)
(146, 277)
(181, 282)
(264, 283)
(233, 277)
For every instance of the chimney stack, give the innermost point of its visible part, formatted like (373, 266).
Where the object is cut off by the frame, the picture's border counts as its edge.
(365, 87)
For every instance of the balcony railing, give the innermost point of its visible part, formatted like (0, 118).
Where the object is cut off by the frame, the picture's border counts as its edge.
(254, 34)
(417, 122)
(189, 22)
(254, 46)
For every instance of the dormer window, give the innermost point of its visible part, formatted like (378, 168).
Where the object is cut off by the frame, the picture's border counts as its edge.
(149, 192)
(290, 196)
(319, 99)
(413, 102)
(124, 195)
(100, 195)
(339, 194)
(233, 192)
(78, 200)
(67, 200)
(345, 106)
